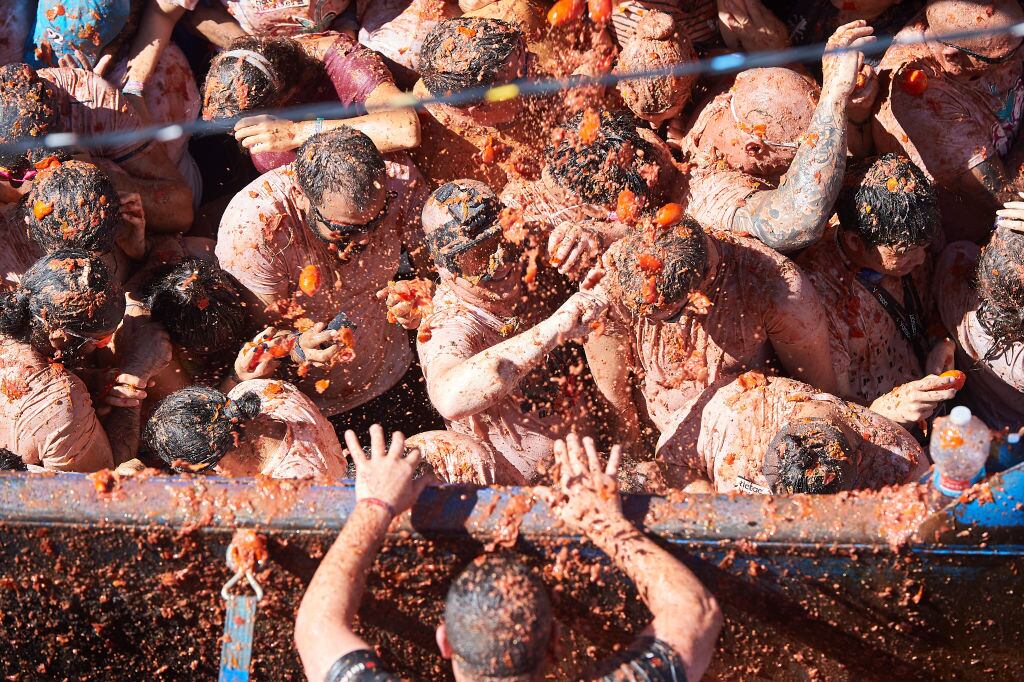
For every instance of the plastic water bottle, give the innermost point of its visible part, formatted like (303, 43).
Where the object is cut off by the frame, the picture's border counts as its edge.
(959, 448)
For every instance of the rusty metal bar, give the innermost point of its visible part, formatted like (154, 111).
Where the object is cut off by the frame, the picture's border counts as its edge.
(484, 513)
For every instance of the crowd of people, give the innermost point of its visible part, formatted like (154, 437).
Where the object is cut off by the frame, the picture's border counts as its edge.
(767, 282)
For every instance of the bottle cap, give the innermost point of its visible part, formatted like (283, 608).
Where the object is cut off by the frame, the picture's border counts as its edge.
(960, 415)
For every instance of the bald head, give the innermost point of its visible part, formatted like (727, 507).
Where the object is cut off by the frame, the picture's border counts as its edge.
(955, 16)
(657, 43)
(758, 132)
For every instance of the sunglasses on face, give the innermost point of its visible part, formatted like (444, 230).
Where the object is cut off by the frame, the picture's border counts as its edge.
(345, 230)
(982, 58)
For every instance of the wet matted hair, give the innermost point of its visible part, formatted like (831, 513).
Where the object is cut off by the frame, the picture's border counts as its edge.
(889, 201)
(194, 427)
(72, 205)
(467, 52)
(498, 618)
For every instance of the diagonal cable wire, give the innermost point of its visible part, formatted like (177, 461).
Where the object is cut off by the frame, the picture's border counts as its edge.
(722, 64)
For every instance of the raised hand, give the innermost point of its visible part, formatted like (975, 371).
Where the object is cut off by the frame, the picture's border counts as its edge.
(387, 474)
(585, 496)
(840, 70)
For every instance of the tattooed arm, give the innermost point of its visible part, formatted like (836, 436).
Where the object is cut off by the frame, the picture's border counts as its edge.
(794, 215)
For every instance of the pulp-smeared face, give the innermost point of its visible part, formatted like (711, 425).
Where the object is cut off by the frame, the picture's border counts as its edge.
(978, 54)
(762, 124)
(896, 260)
(465, 238)
(346, 224)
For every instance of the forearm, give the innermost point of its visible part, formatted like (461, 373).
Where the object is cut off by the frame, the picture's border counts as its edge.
(215, 24)
(477, 383)
(391, 131)
(667, 587)
(122, 425)
(328, 609)
(794, 216)
(685, 613)
(154, 34)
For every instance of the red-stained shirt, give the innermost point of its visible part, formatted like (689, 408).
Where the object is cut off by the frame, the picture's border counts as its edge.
(90, 105)
(396, 28)
(279, 17)
(749, 287)
(354, 73)
(536, 408)
(866, 345)
(995, 388)
(46, 413)
(723, 436)
(956, 123)
(265, 241)
(309, 447)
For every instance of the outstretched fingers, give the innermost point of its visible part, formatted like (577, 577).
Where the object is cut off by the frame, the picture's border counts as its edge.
(614, 460)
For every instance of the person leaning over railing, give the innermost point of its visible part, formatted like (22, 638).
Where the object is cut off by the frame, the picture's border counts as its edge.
(498, 623)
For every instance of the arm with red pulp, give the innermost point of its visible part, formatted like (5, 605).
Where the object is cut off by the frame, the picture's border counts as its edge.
(586, 498)
(460, 387)
(385, 487)
(794, 216)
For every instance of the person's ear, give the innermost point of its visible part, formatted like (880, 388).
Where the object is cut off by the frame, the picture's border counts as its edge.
(852, 242)
(443, 645)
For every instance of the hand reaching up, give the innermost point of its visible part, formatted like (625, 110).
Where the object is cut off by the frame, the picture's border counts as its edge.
(388, 473)
(586, 496)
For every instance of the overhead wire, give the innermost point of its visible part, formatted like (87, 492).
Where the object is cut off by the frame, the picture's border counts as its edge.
(528, 87)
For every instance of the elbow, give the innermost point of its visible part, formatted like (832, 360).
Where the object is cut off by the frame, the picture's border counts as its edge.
(794, 238)
(450, 406)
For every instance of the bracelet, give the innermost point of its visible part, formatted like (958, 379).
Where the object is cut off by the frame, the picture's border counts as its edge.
(378, 503)
(298, 355)
(318, 126)
(134, 88)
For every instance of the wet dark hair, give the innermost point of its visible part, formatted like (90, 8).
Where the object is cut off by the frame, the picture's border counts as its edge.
(28, 109)
(11, 462)
(889, 201)
(200, 305)
(1000, 278)
(599, 171)
(77, 207)
(341, 160)
(69, 290)
(498, 618)
(234, 84)
(466, 53)
(811, 457)
(197, 426)
(474, 213)
(676, 257)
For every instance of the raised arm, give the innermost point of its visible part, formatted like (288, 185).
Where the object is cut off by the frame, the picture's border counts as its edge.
(460, 387)
(385, 488)
(686, 616)
(158, 20)
(794, 216)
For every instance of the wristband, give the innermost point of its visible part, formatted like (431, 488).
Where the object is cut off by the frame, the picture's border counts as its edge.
(318, 126)
(134, 88)
(378, 503)
(298, 355)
